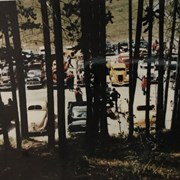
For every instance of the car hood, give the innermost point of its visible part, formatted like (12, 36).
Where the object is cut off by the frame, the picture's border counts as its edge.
(35, 116)
(79, 122)
(118, 73)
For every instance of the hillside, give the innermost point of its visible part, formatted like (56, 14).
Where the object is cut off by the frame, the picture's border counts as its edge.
(32, 39)
(119, 29)
(116, 31)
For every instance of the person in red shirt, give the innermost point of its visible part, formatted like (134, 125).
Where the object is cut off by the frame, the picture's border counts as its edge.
(144, 84)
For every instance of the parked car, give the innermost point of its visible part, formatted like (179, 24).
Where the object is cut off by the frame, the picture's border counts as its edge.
(34, 82)
(37, 116)
(173, 67)
(143, 72)
(5, 81)
(7, 114)
(143, 44)
(6, 85)
(36, 73)
(124, 58)
(144, 63)
(123, 46)
(77, 115)
(118, 74)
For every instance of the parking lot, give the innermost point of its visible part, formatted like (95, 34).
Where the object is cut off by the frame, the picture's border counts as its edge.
(114, 126)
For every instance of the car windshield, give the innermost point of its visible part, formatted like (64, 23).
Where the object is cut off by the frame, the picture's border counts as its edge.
(33, 79)
(79, 112)
(119, 69)
(35, 107)
(34, 72)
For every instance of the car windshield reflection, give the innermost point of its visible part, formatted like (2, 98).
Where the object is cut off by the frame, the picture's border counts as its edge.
(79, 112)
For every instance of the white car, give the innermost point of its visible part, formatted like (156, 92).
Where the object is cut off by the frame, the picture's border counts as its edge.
(34, 82)
(37, 116)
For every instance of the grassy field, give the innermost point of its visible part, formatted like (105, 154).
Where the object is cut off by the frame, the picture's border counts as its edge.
(32, 39)
(116, 31)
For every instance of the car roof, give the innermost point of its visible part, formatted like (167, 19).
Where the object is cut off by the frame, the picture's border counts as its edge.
(124, 54)
(116, 65)
(41, 103)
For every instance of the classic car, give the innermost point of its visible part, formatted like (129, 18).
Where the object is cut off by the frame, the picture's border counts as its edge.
(37, 116)
(118, 74)
(34, 82)
(124, 58)
(77, 114)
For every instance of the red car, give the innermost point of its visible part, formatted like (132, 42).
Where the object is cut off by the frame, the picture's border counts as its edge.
(124, 58)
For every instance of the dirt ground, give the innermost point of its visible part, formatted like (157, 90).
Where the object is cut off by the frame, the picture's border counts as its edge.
(118, 159)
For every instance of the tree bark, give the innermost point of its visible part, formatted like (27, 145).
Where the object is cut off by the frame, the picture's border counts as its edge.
(131, 113)
(175, 120)
(159, 117)
(85, 10)
(149, 65)
(135, 61)
(60, 74)
(169, 58)
(50, 94)
(12, 78)
(20, 69)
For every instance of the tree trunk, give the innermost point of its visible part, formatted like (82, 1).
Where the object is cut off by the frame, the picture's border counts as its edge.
(102, 70)
(93, 41)
(20, 69)
(159, 117)
(169, 58)
(149, 65)
(131, 113)
(85, 10)
(60, 74)
(137, 45)
(98, 54)
(135, 61)
(175, 120)
(50, 94)
(13, 82)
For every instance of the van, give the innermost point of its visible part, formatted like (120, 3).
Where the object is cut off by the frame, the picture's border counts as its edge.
(118, 74)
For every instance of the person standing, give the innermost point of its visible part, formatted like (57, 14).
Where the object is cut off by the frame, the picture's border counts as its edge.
(78, 94)
(69, 61)
(70, 80)
(144, 84)
(115, 95)
(4, 121)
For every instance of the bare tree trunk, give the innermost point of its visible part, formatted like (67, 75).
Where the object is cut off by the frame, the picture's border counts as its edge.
(85, 45)
(135, 61)
(13, 82)
(93, 40)
(137, 45)
(60, 74)
(102, 70)
(149, 65)
(50, 94)
(175, 120)
(169, 58)
(159, 118)
(131, 116)
(20, 69)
